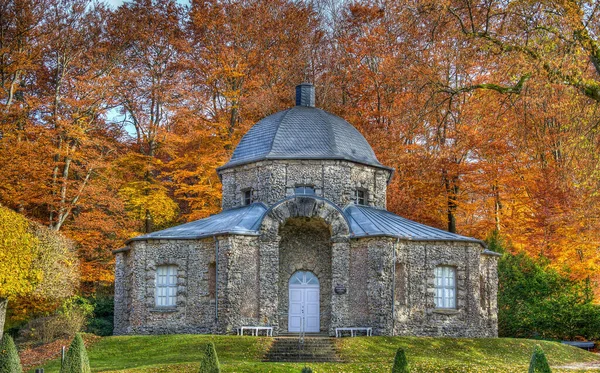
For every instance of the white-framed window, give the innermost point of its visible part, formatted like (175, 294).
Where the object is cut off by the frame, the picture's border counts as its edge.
(166, 286)
(445, 287)
(304, 278)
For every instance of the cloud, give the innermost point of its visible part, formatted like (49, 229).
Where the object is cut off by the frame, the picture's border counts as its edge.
(113, 3)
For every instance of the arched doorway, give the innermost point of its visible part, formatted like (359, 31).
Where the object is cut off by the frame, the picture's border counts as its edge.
(304, 302)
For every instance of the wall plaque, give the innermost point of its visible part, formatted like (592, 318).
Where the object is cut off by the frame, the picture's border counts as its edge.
(340, 289)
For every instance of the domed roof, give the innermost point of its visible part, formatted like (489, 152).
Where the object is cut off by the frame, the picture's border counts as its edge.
(303, 132)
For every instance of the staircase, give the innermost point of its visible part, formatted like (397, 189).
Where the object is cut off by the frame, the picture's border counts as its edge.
(316, 348)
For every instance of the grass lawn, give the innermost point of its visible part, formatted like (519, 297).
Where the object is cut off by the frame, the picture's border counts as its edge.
(181, 353)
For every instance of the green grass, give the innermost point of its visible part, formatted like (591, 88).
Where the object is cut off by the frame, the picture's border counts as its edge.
(181, 353)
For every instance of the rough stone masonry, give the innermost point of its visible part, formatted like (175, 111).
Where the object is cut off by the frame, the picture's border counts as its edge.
(304, 193)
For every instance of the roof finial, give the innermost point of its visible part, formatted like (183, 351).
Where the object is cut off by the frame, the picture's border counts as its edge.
(305, 95)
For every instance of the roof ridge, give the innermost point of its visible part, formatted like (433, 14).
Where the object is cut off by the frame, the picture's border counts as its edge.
(330, 132)
(287, 112)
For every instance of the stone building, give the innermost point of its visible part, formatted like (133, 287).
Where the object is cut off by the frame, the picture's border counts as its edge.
(304, 241)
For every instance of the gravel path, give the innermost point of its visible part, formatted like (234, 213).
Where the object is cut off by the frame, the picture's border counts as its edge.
(595, 365)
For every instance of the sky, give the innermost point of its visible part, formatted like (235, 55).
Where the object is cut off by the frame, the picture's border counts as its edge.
(116, 3)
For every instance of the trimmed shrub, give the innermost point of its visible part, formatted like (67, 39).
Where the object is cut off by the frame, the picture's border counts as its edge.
(307, 370)
(538, 363)
(76, 359)
(9, 357)
(210, 361)
(400, 362)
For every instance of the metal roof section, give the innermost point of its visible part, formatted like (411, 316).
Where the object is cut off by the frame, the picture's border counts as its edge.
(242, 221)
(369, 222)
(303, 132)
(363, 221)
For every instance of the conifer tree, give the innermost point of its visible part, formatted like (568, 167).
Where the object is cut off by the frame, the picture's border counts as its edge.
(307, 370)
(210, 361)
(76, 359)
(9, 358)
(539, 363)
(400, 362)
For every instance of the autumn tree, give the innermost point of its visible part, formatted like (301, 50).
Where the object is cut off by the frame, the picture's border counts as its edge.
(482, 139)
(150, 91)
(35, 261)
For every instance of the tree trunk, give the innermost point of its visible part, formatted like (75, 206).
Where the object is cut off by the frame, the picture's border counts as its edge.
(451, 201)
(3, 306)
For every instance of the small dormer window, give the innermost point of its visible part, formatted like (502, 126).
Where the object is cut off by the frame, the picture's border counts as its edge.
(247, 197)
(306, 190)
(360, 197)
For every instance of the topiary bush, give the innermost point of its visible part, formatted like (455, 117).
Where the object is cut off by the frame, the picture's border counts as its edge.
(307, 370)
(400, 362)
(210, 361)
(538, 363)
(9, 357)
(76, 359)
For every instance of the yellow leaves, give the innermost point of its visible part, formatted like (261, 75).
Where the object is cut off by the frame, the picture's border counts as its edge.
(33, 259)
(17, 253)
(143, 199)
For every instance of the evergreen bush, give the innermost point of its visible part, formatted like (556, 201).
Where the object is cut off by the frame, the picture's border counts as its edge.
(537, 301)
(76, 359)
(307, 370)
(538, 363)
(210, 361)
(400, 362)
(9, 357)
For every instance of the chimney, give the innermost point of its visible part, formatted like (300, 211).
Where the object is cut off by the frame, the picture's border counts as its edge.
(305, 95)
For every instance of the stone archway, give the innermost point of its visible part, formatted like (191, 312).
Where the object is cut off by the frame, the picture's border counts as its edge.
(305, 246)
(307, 207)
(302, 234)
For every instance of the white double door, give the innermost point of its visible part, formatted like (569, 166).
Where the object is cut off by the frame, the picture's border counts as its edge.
(304, 305)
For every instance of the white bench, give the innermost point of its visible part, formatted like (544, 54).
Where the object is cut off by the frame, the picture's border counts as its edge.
(255, 329)
(338, 331)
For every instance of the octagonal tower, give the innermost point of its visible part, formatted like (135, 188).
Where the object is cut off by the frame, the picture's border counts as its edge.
(304, 150)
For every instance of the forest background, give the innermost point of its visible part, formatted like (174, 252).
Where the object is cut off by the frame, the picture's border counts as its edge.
(113, 120)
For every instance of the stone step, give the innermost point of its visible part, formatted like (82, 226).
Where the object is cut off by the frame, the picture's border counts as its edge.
(306, 343)
(306, 335)
(296, 353)
(301, 360)
(289, 349)
(323, 352)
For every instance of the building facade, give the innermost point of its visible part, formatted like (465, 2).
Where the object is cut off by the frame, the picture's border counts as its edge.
(305, 243)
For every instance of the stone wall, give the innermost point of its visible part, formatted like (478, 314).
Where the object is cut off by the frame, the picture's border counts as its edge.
(241, 289)
(122, 292)
(135, 307)
(417, 315)
(272, 181)
(389, 284)
(305, 246)
(280, 246)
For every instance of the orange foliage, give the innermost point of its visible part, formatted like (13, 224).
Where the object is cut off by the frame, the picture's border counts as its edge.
(488, 111)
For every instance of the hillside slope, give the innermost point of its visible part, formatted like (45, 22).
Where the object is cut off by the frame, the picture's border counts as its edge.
(181, 353)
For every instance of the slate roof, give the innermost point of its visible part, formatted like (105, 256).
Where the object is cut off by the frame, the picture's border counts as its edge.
(364, 222)
(303, 132)
(242, 220)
